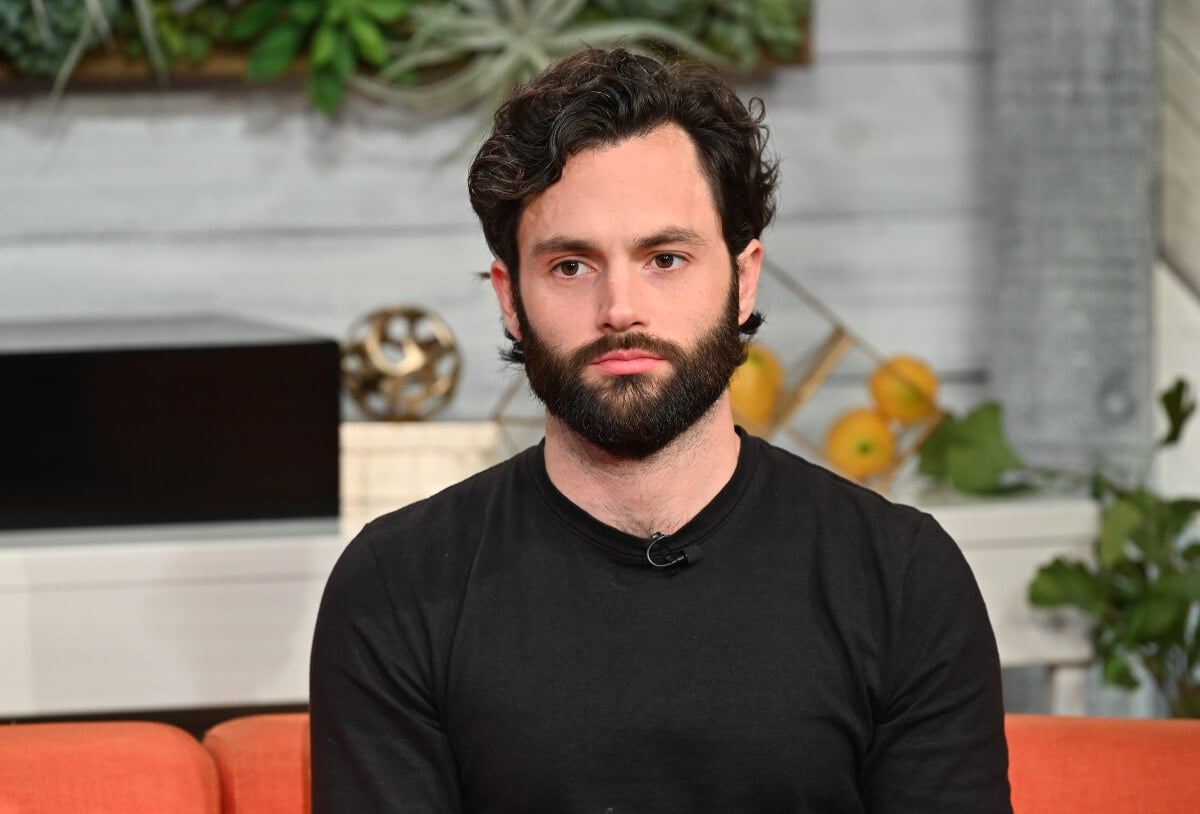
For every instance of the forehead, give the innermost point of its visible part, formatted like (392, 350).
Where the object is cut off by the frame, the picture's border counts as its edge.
(638, 185)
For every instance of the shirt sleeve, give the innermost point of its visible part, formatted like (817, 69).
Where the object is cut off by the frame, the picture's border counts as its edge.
(940, 744)
(378, 744)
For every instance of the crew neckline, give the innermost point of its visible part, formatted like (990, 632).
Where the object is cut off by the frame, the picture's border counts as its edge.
(630, 547)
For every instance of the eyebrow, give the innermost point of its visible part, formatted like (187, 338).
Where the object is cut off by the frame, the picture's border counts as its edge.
(559, 243)
(671, 234)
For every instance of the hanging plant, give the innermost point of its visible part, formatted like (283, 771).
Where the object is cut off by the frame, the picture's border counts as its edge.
(744, 32)
(185, 34)
(433, 56)
(38, 37)
(49, 37)
(493, 45)
(336, 35)
(46, 38)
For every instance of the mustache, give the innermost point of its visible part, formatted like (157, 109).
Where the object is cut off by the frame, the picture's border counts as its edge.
(582, 356)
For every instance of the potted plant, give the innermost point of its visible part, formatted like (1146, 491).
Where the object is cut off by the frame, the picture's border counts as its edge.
(1141, 589)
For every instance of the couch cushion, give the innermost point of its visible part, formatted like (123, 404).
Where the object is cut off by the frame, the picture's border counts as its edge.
(111, 767)
(1065, 765)
(263, 762)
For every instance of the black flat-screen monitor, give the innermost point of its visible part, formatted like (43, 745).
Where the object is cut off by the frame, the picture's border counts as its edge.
(165, 420)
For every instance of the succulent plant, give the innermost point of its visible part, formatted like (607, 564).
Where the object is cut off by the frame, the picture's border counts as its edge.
(740, 30)
(686, 15)
(184, 32)
(336, 34)
(496, 44)
(434, 56)
(39, 36)
(48, 37)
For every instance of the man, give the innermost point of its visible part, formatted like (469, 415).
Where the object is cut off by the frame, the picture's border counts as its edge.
(651, 611)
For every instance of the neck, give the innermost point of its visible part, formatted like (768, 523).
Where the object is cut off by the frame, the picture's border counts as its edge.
(659, 493)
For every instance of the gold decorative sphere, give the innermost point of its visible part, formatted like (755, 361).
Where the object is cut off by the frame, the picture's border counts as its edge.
(400, 364)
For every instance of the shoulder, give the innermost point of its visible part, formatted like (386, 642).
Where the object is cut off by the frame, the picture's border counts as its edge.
(857, 536)
(840, 506)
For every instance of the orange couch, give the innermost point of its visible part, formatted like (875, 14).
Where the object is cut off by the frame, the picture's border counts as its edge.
(263, 763)
(1103, 765)
(120, 767)
(258, 764)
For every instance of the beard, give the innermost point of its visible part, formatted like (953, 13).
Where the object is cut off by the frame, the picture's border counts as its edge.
(633, 416)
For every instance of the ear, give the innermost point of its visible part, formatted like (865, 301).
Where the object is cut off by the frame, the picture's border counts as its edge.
(502, 284)
(749, 264)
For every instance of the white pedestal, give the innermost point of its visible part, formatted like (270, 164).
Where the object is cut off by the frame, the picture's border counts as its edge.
(1005, 542)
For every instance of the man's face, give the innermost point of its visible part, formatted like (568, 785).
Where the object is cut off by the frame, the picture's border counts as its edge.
(633, 415)
(628, 312)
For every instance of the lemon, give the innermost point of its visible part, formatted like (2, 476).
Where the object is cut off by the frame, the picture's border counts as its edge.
(905, 389)
(755, 387)
(860, 443)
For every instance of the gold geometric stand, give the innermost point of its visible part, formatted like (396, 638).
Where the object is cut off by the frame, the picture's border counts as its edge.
(811, 374)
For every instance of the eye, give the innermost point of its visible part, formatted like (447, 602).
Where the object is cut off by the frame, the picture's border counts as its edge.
(570, 268)
(667, 260)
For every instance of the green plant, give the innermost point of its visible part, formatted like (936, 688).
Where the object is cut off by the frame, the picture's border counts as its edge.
(48, 37)
(742, 31)
(973, 455)
(336, 35)
(184, 33)
(1142, 589)
(434, 56)
(38, 37)
(492, 45)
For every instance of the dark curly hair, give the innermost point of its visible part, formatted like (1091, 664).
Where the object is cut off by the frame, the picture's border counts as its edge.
(599, 97)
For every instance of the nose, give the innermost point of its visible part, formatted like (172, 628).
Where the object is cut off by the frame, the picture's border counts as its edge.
(620, 306)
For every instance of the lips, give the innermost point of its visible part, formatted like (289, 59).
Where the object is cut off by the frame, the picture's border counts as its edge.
(626, 362)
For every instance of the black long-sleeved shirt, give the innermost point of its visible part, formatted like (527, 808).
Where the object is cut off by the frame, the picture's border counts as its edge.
(496, 649)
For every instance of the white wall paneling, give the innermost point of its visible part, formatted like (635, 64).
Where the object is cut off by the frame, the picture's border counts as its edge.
(140, 167)
(1177, 280)
(854, 137)
(876, 137)
(1180, 53)
(882, 29)
(1177, 339)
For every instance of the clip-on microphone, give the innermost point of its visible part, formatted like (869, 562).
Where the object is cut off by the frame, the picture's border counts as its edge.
(663, 556)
